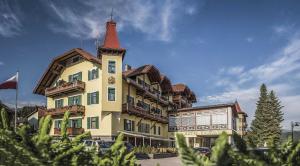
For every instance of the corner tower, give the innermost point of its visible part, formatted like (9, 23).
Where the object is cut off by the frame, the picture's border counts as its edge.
(111, 55)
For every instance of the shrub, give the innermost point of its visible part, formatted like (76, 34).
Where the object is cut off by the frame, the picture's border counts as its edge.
(287, 154)
(20, 148)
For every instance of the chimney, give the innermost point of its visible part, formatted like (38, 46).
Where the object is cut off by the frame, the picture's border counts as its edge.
(127, 67)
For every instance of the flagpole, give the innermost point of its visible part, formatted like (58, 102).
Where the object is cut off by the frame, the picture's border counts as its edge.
(16, 101)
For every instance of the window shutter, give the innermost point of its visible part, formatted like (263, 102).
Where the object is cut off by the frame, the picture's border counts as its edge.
(97, 97)
(88, 99)
(62, 102)
(132, 126)
(69, 123)
(56, 124)
(70, 78)
(79, 123)
(88, 122)
(80, 76)
(79, 98)
(89, 75)
(97, 122)
(97, 73)
(70, 101)
(125, 124)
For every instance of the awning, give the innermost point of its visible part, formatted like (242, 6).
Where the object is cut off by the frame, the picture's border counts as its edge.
(144, 136)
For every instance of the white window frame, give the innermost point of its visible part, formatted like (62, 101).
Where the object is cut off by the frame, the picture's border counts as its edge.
(115, 94)
(110, 60)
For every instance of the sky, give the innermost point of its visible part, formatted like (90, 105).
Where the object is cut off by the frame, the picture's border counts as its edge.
(223, 50)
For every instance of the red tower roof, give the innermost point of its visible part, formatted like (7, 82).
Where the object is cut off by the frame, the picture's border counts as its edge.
(111, 37)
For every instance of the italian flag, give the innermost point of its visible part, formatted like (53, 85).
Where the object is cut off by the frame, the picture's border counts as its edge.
(11, 83)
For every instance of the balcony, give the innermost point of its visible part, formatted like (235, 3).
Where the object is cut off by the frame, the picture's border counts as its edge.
(65, 88)
(140, 112)
(148, 93)
(70, 131)
(75, 110)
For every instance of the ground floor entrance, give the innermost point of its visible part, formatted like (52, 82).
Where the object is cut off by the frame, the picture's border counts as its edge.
(203, 141)
(142, 140)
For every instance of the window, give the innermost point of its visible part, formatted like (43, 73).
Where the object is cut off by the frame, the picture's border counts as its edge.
(111, 94)
(75, 77)
(93, 74)
(93, 122)
(144, 128)
(154, 129)
(219, 118)
(128, 125)
(174, 121)
(57, 124)
(158, 129)
(74, 100)
(203, 119)
(75, 123)
(111, 67)
(59, 103)
(75, 59)
(140, 81)
(147, 107)
(93, 98)
(130, 100)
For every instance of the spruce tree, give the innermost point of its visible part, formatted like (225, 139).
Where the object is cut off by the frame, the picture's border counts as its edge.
(277, 117)
(262, 119)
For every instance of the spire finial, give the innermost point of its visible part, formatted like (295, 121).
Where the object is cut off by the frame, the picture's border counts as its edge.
(111, 14)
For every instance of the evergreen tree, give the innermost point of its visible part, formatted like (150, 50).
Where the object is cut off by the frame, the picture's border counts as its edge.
(277, 117)
(262, 119)
(266, 128)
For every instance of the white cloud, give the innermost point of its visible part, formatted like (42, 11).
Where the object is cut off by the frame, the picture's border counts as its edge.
(10, 23)
(243, 85)
(155, 19)
(236, 70)
(190, 10)
(1, 63)
(279, 29)
(249, 39)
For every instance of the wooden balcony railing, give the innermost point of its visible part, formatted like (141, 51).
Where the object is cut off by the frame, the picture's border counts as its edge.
(67, 87)
(148, 93)
(140, 112)
(74, 110)
(70, 131)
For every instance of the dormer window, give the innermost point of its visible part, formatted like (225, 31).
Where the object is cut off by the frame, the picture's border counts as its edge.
(112, 67)
(75, 59)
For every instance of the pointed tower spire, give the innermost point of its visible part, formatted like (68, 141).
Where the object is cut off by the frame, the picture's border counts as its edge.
(111, 37)
(111, 41)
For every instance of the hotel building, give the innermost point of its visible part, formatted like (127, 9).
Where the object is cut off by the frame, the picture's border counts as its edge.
(106, 99)
(201, 125)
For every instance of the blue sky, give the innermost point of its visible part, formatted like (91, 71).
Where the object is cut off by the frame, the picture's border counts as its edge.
(223, 50)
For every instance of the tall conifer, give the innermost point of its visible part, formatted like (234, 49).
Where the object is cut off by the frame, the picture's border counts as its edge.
(277, 117)
(266, 128)
(261, 120)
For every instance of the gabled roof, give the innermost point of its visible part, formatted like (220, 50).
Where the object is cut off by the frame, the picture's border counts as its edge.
(184, 89)
(153, 74)
(165, 84)
(235, 107)
(56, 67)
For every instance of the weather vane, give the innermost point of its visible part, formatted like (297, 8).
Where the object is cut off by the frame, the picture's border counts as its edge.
(111, 14)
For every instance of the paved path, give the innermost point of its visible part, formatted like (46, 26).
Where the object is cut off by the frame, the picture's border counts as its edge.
(172, 161)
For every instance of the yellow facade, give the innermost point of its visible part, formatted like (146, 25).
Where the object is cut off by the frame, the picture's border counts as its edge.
(111, 118)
